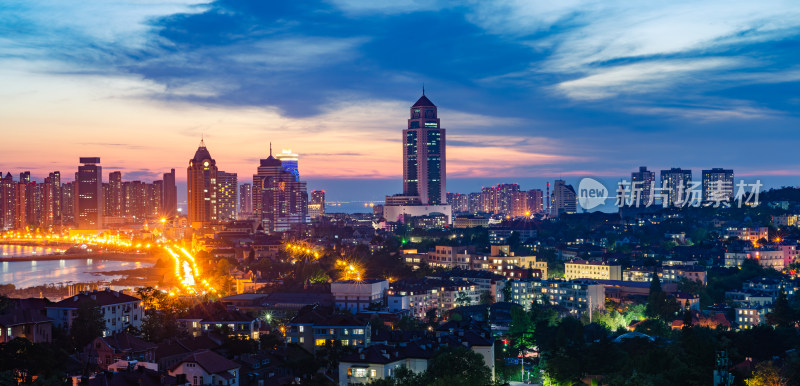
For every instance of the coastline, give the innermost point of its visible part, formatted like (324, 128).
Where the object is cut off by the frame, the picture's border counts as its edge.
(120, 256)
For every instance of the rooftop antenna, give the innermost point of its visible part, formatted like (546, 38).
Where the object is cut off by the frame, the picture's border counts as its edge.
(423, 88)
(270, 148)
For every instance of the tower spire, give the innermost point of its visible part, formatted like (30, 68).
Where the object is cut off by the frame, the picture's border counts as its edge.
(202, 140)
(423, 88)
(270, 148)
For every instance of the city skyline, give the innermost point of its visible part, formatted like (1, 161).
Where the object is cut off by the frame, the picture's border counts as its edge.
(550, 102)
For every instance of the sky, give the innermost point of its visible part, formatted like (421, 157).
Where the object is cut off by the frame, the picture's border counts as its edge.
(527, 90)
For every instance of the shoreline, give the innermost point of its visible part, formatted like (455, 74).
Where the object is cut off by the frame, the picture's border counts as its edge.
(117, 256)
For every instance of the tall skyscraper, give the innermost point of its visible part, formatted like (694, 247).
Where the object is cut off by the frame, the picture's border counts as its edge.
(645, 181)
(279, 198)
(424, 166)
(316, 206)
(246, 199)
(718, 184)
(424, 159)
(201, 184)
(170, 191)
(676, 183)
(89, 194)
(289, 162)
(227, 196)
(563, 200)
(115, 198)
(267, 167)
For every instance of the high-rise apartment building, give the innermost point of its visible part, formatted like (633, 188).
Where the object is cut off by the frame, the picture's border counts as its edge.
(89, 194)
(535, 202)
(170, 195)
(114, 198)
(563, 199)
(227, 196)
(245, 199)
(55, 180)
(316, 205)
(201, 184)
(8, 201)
(718, 185)
(644, 182)
(676, 183)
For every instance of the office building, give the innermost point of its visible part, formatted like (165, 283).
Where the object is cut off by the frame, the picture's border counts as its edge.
(675, 184)
(89, 194)
(279, 199)
(202, 187)
(227, 198)
(424, 167)
(289, 162)
(718, 185)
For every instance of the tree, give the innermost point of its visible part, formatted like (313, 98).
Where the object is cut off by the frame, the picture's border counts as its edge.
(507, 292)
(486, 297)
(462, 299)
(457, 366)
(521, 329)
(88, 324)
(766, 374)
(160, 325)
(782, 314)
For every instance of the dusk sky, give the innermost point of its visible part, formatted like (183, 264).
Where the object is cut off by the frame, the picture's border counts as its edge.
(526, 89)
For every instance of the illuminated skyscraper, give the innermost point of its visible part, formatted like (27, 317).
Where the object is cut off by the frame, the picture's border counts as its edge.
(170, 195)
(89, 194)
(279, 198)
(289, 162)
(201, 184)
(227, 198)
(424, 166)
(424, 157)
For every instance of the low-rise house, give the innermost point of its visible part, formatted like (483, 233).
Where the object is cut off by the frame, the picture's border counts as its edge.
(314, 326)
(356, 296)
(25, 323)
(208, 317)
(119, 310)
(104, 351)
(206, 368)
